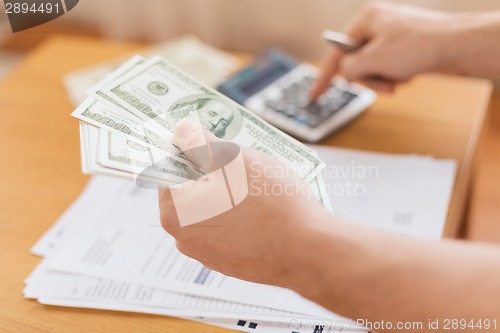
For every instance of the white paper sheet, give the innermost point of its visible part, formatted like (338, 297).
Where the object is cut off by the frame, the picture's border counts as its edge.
(402, 194)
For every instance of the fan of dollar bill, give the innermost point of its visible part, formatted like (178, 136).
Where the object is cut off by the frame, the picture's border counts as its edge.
(127, 124)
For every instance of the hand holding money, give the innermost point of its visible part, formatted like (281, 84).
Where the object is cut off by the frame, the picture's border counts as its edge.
(127, 125)
(276, 221)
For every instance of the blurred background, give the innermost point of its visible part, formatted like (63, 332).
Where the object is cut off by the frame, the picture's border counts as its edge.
(250, 26)
(242, 25)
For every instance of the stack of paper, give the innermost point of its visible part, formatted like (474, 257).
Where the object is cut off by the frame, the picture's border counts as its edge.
(108, 251)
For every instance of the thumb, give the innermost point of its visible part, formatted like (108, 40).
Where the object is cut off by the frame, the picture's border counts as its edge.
(200, 146)
(189, 135)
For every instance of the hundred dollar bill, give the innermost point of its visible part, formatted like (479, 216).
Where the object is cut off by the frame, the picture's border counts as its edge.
(89, 136)
(127, 124)
(118, 152)
(113, 155)
(162, 95)
(100, 115)
(103, 116)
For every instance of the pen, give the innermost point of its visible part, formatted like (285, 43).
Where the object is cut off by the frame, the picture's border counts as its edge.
(342, 41)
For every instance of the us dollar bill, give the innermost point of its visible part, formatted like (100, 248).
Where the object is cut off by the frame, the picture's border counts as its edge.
(109, 154)
(123, 123)
(120, 153)
(126, 123)
(161, 96)
(102, 116)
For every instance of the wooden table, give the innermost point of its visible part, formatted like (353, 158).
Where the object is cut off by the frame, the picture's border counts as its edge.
(40, 169)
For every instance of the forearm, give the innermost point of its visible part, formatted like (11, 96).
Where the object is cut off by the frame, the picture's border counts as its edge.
(366, 274)
(473, 45)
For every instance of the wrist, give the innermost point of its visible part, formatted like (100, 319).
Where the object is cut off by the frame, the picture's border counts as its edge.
(471, 46)
(333, 254)
(340, 263)
(304, 248)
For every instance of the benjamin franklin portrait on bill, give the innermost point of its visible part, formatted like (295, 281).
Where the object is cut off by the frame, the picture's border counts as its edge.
(214, 113)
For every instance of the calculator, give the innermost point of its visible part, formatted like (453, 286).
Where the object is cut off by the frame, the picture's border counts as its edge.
(276, 87)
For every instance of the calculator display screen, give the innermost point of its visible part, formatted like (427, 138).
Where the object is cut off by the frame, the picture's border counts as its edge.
(261, 73)
(260, 80)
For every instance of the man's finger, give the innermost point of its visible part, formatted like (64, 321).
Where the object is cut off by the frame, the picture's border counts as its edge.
(361, 66)
(196, 142)
(356, 29)
(327, 71)
(189, 135)
(355, 66)
(169, 219)
(203, 148)
(380, 84)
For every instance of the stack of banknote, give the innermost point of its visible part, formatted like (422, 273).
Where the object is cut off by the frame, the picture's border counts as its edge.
(128, 120)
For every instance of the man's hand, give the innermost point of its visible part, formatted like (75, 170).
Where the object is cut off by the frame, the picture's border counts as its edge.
(290, 241)
(257, 239)
(401, 41)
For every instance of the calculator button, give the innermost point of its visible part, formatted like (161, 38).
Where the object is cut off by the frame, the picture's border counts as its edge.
(290, 111)
(274, 94)
(331, 94)
(278, 105)
(283, 107)
(313, 121)
(293, 103)
(302, 118)
(347, 97)
(328, 111)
